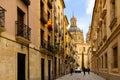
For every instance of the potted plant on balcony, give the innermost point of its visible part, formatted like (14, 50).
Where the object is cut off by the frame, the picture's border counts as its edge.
(51, 48)
(49, 24)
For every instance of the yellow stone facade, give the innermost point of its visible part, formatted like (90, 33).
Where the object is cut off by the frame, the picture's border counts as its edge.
(104, 38)
(81, 48)
(28, 48)
(69, 52)
(59, 37)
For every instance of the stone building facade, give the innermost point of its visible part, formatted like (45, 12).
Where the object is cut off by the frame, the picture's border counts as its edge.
(69, 49)
(81, 54)
(105, 37)
(28, 49)
(59, 36)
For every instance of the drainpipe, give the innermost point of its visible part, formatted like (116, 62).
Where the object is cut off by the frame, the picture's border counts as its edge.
(54, 41)
(28, 45)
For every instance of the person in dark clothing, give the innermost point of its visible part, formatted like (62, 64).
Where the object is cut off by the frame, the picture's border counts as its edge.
(84, 70)
(71, 71)
(88, 70)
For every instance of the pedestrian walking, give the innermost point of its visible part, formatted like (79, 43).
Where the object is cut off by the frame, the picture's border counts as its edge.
(88, 70)
(71, 71)
(84, 70)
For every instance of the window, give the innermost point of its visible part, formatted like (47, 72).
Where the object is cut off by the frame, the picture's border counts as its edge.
(42, 6)
(2, 17)
(20, 16)
(26, 2)
(99, 63)
(78, 37)
(104, 2)
(115, 57)
(105, 30)
(42, 38)
(72, 24)
(48, 15)
(102, 61)
(83, 49)
(48, 40)
(112, 9)
(59, 19)
(106, 64)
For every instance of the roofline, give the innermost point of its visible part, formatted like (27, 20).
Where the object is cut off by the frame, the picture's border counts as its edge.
(63, 3)
(94, 10)
(66, 19)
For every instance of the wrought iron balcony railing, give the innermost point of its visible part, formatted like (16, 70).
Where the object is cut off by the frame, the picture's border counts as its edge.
(51, 48)
(2, 18)
(43, 44)
(23, 30)
(113, 22)
(61, 50)
(60, 33)
(49, 4)
(56, 45)
(56, 27)
(26, 2)
(44, 17)
(104, 12)
(46, 46)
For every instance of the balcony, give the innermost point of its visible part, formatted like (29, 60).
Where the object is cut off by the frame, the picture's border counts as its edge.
(23, 33)
(94, 50)
(49, 3)
(43, 17)
(103, 13)
(56, 27)
(26, 2)
(61, 50)
(100, 21)
(67, 56)
(60, 33)
(66, 45)
(46, 48)
(44, 44)
(104, 38)
(50, 48)
(43, 47)
(74, 51)
(2, 19)
(113, 23)
(56, 46)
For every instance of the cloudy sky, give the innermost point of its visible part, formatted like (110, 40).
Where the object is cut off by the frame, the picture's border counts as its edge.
(82, 10)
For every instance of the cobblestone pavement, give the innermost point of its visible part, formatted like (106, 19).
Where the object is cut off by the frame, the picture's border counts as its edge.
(81, 76)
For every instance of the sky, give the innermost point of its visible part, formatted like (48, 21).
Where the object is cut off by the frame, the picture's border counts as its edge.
(82, 11)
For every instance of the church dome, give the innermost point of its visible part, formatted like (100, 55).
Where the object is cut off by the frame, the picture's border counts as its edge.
(74, 29)
(73, 26)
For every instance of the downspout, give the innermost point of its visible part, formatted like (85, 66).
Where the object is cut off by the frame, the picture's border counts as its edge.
(28, 71)
(54, 41)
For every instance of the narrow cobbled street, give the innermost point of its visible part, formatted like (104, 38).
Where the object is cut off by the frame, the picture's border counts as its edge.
(81, 76)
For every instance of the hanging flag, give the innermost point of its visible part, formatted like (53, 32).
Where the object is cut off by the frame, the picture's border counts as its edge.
(49, 24)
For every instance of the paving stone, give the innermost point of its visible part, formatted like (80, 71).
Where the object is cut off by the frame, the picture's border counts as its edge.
(81, 76)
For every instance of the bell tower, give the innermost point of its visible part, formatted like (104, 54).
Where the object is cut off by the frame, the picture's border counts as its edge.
(73, 21)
